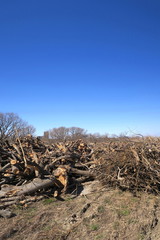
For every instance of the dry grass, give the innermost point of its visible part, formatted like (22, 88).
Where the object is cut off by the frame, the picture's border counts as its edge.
(112, 214)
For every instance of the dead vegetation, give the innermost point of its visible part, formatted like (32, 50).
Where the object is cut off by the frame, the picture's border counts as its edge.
(28, 166)
(30, 169)
(93, 191)
(104, 214)
(133, 166)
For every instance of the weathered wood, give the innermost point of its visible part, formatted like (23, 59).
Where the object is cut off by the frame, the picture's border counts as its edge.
(9, 199)
(7, 204)
(35, 185)
(33, 167)
(62, 176)
(17, 149)
(32, 199)
(6, 213)
(29, 157)
(81, 172)
(5, 167)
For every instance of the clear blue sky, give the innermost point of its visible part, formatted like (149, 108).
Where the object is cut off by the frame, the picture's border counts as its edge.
(90, 64)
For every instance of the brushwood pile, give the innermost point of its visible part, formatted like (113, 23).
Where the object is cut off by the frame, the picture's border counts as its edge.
(31, 169)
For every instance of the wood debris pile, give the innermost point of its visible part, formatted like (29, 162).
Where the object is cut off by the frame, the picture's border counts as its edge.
(133, 166)
(31, 169)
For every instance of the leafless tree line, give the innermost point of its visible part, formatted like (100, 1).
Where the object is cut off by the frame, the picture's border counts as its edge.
(12, 125)
(71, 133)
(64, 133)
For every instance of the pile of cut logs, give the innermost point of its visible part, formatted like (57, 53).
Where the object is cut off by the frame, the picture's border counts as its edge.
(31, 170)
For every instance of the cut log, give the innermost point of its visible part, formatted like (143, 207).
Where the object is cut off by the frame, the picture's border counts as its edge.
(35, 185)
(32, 199)
(33, 167)
(82, 172)
(62, 176)
(7, 204)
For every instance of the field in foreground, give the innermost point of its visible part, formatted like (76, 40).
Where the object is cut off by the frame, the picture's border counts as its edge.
(97, 213)
(106, 190)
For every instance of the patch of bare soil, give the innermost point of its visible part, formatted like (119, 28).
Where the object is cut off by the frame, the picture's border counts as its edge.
(97, 213)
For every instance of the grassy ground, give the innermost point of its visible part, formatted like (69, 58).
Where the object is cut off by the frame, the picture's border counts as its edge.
(104, 214)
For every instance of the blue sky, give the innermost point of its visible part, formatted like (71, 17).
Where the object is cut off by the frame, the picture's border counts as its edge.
(90, 64)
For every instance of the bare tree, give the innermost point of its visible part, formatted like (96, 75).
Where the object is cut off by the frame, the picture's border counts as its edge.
(10, 123)
(63, 133)
(26, 129)
(76, 132)
(60, 134)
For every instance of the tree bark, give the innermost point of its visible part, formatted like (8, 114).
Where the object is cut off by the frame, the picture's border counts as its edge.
(81, 172)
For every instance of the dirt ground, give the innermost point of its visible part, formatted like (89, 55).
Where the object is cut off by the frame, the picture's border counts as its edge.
(96, 213)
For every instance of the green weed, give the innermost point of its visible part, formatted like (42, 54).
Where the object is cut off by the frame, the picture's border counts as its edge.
(100, 236)
(31, 211)
(123, 212)
(116, 225)
(100, 209)
(49, 201)
(107, 200)
(94, 227)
